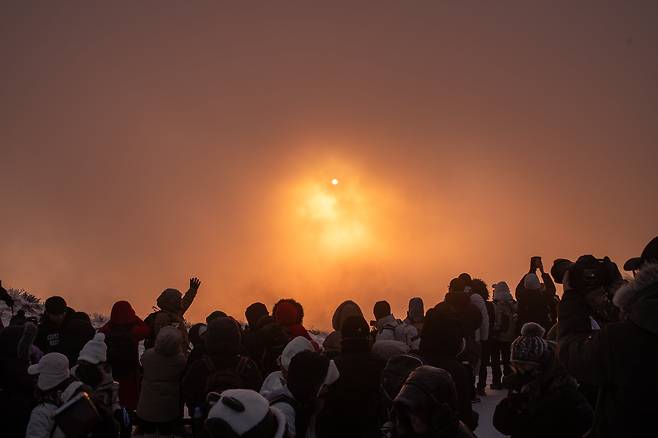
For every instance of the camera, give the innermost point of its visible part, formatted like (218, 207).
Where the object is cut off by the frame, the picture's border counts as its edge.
(589, 273)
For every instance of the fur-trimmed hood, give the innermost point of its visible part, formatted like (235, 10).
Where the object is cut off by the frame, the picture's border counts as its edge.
(638, 299)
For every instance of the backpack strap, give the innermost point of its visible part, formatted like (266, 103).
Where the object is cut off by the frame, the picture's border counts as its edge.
(242, 365)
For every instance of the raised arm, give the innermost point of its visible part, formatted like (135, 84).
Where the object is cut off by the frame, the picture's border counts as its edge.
(189, 296)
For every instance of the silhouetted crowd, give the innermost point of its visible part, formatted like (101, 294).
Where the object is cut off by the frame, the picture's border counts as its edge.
(582, 365)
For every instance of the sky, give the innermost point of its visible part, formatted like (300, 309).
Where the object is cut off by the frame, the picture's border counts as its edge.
(142, 143)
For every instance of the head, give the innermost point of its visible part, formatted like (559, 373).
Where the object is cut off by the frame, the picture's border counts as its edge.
(255, 312)
(52, 369)
(243, 412)
(170, 300)
(427, 404)
(95, 351)
(531, 282)
(169, 341)
(343, 311)
(306, 375)
(55, 310)
(502, 292)
(649, 255)
(215, 315)
(395, 373)
(416, 312)
(442, 334)
(294, 347)
(457, 285)
(355, 335)
(288, 312)
(123, 313)
(223, 337)
(479, 287)
(530, 352)
(381, 309)
(197, 334)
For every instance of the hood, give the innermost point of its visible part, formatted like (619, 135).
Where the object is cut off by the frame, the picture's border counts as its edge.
(286, 313)
(416, 312)
(638, 299)
(343, 311)
(168, 341)
(123, 313)
(502, 292)
(294, 347)
(170, 300)
(429, 389)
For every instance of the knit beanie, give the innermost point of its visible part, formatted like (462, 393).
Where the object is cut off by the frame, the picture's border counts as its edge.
(530, 347)
(94, 351)
(531, 282)
(223, 337)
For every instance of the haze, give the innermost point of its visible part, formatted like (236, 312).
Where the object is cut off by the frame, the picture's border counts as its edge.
(145, 142)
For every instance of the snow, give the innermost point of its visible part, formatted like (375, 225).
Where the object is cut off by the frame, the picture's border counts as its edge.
(486, 410)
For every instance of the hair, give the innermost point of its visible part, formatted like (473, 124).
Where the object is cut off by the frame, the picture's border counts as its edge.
(300, 309)
(479, 287)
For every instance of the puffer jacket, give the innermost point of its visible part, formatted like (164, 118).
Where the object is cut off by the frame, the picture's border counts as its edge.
(42, 421)
(173, 306)
(160, 397)
(331, 343)
(620, 358)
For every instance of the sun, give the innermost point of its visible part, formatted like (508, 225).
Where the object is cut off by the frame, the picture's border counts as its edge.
(335, 181)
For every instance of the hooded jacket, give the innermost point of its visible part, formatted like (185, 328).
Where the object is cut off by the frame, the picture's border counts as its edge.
(535, 305)
(173, 306)
(49, 335)
(620, 358)
(287, 314)
(482, 333)
(42, 421)
(391, 329)
(505, 309)
(160, 398)
(124, 320)
(344, 310)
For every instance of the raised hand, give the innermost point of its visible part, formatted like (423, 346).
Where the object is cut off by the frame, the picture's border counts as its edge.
(195, 283)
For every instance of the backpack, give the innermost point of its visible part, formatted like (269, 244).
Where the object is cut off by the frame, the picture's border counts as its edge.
(222, 379)
(78, 417)
(122, 351)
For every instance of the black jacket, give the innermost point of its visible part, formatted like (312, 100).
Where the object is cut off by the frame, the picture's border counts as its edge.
(551, 406)
(352, 404)
(536, 306)
(620, 358)
(49, 335)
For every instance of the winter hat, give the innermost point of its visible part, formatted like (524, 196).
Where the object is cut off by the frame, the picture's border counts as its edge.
(416, 311)
(169, 341)
(53, 369)
(223, 337)
(55, 305)
(649, 254)
(307, 373)
(531, 282)
(170, 300)
(381, 309)
(396, 371)
(294, 347)
(343, 311)
(502, 292)
(243, 412)
(255, 312)
(123, 313)
(94, 351)
(530, 347)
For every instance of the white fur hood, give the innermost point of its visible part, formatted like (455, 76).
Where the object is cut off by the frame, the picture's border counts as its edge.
(639, 298)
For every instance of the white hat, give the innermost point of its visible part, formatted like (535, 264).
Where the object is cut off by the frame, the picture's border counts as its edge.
(531, 282)
(243, 409)
(53, 369)
(295, 346)
(94, 351)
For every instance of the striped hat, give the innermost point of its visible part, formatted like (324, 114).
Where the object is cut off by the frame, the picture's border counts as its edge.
(530, 347)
